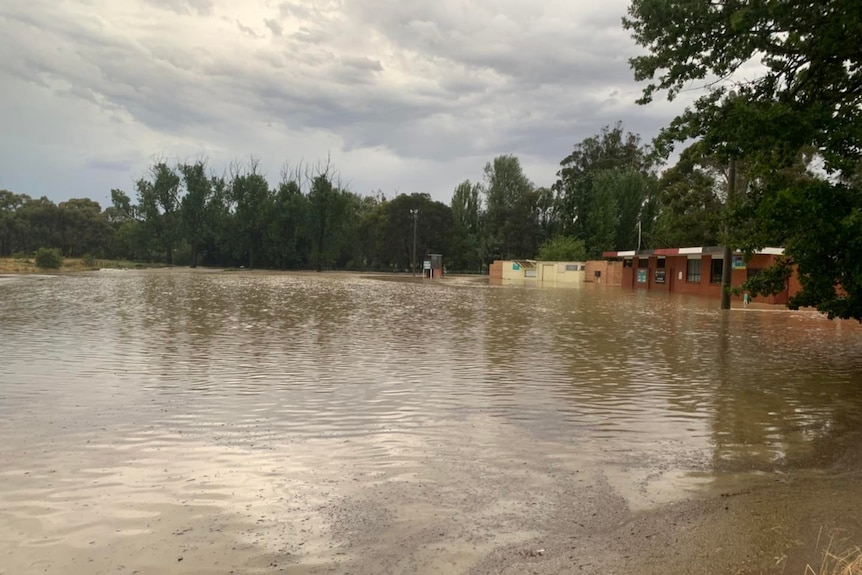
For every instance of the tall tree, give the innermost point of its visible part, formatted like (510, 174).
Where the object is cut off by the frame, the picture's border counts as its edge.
(159, 204)
(10, 222)
(807, 91)
(512, 228)
(466, 242)
(286, 242)
(583, 209)
(325, 216)
(194, 205)
(83, 228)
(250, 193)
(690, 208)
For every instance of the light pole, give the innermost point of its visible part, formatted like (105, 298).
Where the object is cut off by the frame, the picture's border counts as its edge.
(415, 213)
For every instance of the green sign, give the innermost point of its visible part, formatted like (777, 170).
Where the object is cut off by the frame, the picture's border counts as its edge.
(738, 263)
(642, 275)
(516, 267)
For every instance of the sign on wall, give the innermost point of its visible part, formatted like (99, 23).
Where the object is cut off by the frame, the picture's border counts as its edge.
(738, 263)
(642, 275)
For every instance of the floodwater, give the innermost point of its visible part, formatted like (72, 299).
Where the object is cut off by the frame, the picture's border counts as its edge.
(215, 422)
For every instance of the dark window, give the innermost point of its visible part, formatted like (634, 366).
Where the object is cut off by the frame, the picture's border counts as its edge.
(752, 272)
(660, 263)
(715, 272)
(627, 263)
(643, 262)
(693, 271)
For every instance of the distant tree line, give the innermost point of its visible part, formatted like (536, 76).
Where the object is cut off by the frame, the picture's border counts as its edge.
(774, 158)
(607, 196)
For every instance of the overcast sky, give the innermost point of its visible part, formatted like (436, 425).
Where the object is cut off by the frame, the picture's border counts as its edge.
(403, 95)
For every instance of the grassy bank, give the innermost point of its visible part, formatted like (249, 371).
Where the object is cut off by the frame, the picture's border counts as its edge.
(848, 562)
(69, 265)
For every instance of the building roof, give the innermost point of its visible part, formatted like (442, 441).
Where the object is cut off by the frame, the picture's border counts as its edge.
(684, 251)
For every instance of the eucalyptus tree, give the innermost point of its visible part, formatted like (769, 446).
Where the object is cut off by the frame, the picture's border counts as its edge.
(604, 190)
(512, 228)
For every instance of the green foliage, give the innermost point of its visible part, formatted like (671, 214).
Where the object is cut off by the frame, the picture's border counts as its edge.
(801, 97)
(690, 210)
(512, 218)
(158, 205)
(466, 216)
(48, 258)
(604, 188)
(88, 260)
(563, 249)
(199, 189)
(822, 226)
(807, 92)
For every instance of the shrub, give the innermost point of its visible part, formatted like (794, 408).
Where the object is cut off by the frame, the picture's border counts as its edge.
(49, 258)
(561, 249)
(22, 256)
(88, 260)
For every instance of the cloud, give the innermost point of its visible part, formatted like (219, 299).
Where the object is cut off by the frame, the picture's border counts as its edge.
(273, 26)
(403, 85)
(184, 7)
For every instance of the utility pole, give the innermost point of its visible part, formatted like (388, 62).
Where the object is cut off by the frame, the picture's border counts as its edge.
(415, 213)
(727, 254)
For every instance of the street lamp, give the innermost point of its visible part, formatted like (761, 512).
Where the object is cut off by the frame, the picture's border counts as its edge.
(415, 213)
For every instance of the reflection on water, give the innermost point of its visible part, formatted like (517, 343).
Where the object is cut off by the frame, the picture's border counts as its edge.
(141, 405)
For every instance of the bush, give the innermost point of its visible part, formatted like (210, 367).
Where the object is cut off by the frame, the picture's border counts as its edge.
(49, 258)
(88, 260)
(562, 249)
(22, 256)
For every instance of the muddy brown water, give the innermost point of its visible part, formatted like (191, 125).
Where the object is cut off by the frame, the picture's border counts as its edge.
(198, 422)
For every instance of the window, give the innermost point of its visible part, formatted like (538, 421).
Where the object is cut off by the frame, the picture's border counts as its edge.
(660, 263)
(752, 273)
(643, 262)
(627, 263)
(572, 267)
(715, 272)
(693, 272)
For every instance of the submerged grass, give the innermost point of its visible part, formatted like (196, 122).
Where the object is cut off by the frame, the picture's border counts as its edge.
(27, 265)
(846, 562)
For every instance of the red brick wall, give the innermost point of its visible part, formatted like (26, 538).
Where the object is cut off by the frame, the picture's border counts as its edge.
(676, 265)
(495, 270)
(627, 277)
(612, 272)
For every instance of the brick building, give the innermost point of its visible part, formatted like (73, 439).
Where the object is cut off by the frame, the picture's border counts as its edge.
(696, 271)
